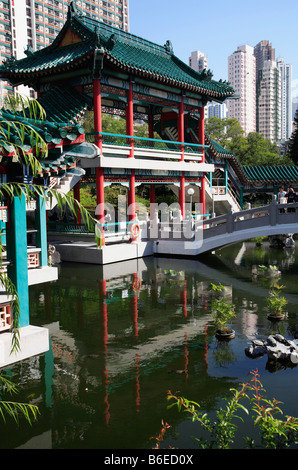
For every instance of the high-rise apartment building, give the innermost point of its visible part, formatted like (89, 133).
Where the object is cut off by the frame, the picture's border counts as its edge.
(263, 51)
(218, 110)
(268, 95)
(269, 101)
(286, 98)
(242, 76)
(36, 23)
(198, 61)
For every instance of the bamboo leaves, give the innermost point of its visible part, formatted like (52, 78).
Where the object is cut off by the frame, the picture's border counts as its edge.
(14, 409)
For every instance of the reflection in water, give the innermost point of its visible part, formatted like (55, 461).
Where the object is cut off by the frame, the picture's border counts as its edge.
(124, 334)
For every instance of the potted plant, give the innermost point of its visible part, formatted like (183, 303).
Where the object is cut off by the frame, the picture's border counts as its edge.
(276, 303)
(222, 311)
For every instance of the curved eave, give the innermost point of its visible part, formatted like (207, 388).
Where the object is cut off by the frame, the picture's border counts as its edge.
(16, 75)
(165, 79)
(232, 157)
(278, 175)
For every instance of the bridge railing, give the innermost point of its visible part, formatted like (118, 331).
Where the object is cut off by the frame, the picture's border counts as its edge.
(231, 222)
(271, 214)
(145, 147)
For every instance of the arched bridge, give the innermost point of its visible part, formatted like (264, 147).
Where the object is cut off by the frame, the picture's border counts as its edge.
(194, 238)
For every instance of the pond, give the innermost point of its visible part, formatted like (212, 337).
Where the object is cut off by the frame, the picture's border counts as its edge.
(123, 335)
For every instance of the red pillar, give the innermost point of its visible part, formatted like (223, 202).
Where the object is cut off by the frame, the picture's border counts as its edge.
(150, 126)
(130, 131)
(104, 346)
(98, 142)
(202, 142)
(181, 139)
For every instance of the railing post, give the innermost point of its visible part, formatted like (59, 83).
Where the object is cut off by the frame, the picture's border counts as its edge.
(273, 211)
(230, 221)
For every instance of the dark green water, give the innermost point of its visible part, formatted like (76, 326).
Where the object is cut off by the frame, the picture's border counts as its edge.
(118, 333)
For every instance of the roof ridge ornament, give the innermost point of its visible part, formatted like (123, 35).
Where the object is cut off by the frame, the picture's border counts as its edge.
(207, 75)
(169, 47)
(28, 51)
(73, 10)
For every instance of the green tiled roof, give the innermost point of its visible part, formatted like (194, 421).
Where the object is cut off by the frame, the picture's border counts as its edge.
(45, 60)
(278, 174)
(121, 50)
(51, 132)
(64, 104)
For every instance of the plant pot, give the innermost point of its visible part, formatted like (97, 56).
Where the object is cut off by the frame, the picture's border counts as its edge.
(225, 334)
(273, 317)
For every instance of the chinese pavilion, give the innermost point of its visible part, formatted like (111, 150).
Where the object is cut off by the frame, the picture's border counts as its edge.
(91, 65)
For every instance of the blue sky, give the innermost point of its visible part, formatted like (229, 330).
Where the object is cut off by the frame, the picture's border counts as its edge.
(217, 27)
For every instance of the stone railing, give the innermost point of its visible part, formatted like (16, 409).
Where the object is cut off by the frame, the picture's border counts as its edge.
(267, 216)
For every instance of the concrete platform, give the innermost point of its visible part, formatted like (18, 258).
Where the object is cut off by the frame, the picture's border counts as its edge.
(33, 341)
(87, 252)
(42, 274)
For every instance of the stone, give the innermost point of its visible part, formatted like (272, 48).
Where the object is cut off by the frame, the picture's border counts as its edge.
(271, 340)
(277, 348)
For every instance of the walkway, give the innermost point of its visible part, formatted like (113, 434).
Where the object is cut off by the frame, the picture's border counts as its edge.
(186, 238)
(202, 236)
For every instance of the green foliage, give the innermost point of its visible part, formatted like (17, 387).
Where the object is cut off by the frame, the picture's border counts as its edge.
(251, 150)
(14, 409)
(115, 125)
(275, 432)
(275, 302)
(14, 134)
(293, 144)
(88, 196)
(222, 310)
(223, 130)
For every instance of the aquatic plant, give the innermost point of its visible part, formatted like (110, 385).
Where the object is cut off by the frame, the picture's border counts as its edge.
(222, 310)
(275, 430)
(275, 302)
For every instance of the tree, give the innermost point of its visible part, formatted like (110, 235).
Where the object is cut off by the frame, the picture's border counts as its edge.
(293, 144)
(258, 151)
(223, 130)
(252, 150)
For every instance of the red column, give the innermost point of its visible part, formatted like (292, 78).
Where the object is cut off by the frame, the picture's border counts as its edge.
(202, 142)
(181, 139)
(150, 126)
(104, 346)
(98, 142)
(130, 131)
